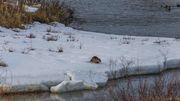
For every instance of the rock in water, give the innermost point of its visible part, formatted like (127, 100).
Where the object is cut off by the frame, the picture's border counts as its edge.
(178, 5)
(95, 59)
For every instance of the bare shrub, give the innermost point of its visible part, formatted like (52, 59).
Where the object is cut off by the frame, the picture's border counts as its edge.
(177, 37)
(2, 63)
(80, 46)
(158, 41)
(71, 38)
(113, 66)
(60, 50)
(125, 64)
(164, 55)
(16, 29)
(27, 50)
(126, 40)
(50, 37)
(119, 67)
(113, 38)
(51, 50)
(31, 35)
(49, 29)
(159, 89)
(11, 50)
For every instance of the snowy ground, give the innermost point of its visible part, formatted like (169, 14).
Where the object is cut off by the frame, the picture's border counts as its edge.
(33, 60)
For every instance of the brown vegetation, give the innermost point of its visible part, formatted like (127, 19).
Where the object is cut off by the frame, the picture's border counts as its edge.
(13, 16)
(157, 89)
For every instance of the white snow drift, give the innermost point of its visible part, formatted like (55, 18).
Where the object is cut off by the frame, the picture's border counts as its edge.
(74, 85)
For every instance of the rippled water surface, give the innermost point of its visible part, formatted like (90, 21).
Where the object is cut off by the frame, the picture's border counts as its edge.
(137, 17)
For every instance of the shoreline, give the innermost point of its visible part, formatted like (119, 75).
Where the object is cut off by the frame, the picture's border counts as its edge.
(44, 87)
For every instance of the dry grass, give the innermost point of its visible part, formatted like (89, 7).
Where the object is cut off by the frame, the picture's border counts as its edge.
(13, 16)
(159, 89)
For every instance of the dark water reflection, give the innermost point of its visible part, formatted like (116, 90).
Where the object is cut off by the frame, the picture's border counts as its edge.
(100, 94)
(137, 17)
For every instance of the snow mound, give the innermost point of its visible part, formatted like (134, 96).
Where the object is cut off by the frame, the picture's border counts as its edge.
(76, 85)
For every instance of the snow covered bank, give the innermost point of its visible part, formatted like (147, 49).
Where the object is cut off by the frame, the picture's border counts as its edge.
(43, 54)
(144, 70)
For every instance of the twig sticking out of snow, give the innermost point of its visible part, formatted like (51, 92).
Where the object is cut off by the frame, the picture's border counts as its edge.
(3, 64)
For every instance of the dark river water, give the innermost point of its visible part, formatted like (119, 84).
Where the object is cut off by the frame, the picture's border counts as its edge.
(137, 17)
(102, 94)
